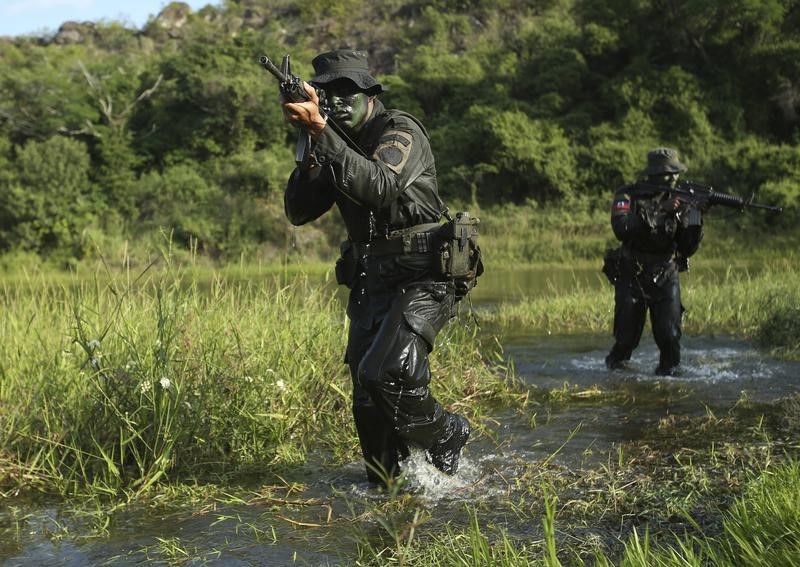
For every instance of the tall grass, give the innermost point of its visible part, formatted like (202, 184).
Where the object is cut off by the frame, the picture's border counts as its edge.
(578, 231)
(761, 528)
(763, 307)
(117, 383)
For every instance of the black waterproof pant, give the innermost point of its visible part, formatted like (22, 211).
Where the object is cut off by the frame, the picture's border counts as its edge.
(632, 298)
(388, 360)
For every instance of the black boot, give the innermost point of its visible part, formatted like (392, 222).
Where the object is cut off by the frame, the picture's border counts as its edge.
(668, 370)
(445, 453)
(381, 447)
(618, 357)
(614, 363)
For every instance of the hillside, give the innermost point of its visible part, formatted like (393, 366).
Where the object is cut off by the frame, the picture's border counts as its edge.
(112, 138)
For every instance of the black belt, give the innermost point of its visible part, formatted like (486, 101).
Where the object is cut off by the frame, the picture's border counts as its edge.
(420, 239)
(652, 258)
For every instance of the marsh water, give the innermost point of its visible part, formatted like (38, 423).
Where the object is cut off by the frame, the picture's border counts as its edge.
(312, 515)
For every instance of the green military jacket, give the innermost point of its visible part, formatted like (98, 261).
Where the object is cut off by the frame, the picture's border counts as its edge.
(393, 189)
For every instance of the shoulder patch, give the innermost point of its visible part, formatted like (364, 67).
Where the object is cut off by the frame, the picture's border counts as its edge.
(394, 147)
(621, 205)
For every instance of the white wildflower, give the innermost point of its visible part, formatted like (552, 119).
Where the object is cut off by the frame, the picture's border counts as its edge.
(145, 386)
(93, 344)
(281, 385)
(248, 379)
(165, 383)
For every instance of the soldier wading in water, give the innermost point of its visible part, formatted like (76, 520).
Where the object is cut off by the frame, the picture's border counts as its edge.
(658, 233)
(381, 177)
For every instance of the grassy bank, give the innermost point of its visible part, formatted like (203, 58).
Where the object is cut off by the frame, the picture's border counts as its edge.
(762, 306)
(114, 384)
(761, 527)
(580, 231)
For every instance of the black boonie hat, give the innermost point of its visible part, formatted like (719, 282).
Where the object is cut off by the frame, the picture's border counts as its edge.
(663, 160)
(345, 64)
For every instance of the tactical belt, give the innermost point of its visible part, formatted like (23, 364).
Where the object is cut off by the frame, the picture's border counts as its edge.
(419, 239)
(652, 258)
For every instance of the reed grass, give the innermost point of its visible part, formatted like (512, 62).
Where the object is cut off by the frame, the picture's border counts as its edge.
(762, 306)
(761, 527)
(119, 383)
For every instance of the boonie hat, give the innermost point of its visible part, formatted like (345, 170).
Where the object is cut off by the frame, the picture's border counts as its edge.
(345, 64)
(663, 160)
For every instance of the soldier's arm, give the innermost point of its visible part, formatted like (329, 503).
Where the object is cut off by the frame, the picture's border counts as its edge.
(308, 196)
(625, 221)
(376, 182)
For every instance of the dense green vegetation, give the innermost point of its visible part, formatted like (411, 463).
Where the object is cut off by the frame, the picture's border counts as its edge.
(110, 384)
(153, 384)
(112, 137)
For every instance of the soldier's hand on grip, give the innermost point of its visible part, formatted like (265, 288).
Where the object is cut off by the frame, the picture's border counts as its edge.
(306, 114)
(671, 204)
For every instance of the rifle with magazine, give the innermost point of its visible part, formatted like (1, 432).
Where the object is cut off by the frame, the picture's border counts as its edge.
(700, 196)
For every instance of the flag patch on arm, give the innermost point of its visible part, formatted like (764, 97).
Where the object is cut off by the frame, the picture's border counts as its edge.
(621, 206)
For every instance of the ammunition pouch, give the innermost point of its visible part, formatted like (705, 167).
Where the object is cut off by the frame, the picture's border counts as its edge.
(682, 262)
(452, 248)
(459, 256)
(347, 264)
(612, 264)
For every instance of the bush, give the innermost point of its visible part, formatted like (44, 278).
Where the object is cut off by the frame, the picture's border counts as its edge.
(46, 201)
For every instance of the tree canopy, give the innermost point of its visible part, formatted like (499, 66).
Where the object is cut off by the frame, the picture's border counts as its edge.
(175, 128)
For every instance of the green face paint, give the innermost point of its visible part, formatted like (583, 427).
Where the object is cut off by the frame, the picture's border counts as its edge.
(349, 109)
(668, 179)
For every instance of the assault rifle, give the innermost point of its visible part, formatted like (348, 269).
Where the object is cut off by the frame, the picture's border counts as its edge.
(291, 87)
(702, 197)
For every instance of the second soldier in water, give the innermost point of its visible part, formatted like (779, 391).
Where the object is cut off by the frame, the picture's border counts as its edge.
(658, 234)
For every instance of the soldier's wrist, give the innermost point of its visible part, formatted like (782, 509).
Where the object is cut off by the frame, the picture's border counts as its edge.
(317, 125)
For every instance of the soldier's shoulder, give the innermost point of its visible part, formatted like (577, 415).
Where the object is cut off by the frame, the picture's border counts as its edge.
(625, 190)
(402, 120)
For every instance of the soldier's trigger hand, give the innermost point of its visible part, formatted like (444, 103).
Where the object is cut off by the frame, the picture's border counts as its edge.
(671, 204)
(306, 114)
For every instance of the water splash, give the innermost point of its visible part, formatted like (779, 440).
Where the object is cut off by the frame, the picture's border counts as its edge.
(433, 485)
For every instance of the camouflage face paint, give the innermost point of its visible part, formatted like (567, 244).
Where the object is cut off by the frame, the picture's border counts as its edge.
(349, 109)
(668, 179)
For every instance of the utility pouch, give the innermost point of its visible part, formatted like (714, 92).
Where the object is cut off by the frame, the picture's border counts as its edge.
(347, 264)
(682, 262)
(612, 264)
(459, 256)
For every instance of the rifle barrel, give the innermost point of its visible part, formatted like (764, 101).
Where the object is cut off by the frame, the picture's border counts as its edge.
(270, 66)
(765, 207)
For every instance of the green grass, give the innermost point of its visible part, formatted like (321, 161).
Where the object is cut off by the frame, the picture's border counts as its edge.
(145, 385)
(579, 232)
(117, 383)
(761, 307)
(761, 527)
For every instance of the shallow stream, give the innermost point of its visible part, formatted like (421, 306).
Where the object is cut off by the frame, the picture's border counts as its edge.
(313, 515)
